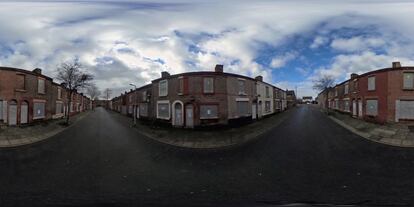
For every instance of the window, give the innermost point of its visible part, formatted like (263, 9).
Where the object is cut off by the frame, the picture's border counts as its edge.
(346, 105)
(130, 109)
(371, 83)
(208, 111)
(267, 92)
(336, 91)
(242, 87)
(372, 107)
(163, 110)
(39, 110)
(1, 110)
(59, 108)
(130, 98)
(144, 96)
(267, 106)
(180, 85)
(346, 88)
(208, 86)
(163, 88)
(242, 108)
(21, 83)
(59, 93)
(336, 104)
(408, 80)
(143, 109)
(41, 86)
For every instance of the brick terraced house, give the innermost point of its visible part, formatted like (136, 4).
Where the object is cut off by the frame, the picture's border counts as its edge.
(203, 98)
(384, 95)
(29, 96)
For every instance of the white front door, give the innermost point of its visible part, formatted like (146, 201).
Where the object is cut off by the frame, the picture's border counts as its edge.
(178, 114)
(354, 108)
(23, 113)
(189, 116)
(12, 114)
(359, 108)
(254, 115)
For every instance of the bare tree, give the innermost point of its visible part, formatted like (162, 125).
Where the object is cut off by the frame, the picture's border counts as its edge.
(73, 78)
(323, 83)
(93, 91)
(107, 93)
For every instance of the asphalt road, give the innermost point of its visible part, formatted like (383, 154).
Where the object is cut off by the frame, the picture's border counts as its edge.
(308, 159)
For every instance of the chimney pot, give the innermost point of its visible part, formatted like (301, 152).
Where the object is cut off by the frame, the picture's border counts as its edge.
(164, 74)
(259, 78)
(396, 65)
(218, 68)
(37, 71)
(354, 75)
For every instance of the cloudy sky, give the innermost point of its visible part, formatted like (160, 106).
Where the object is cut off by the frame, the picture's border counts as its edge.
(289, 43)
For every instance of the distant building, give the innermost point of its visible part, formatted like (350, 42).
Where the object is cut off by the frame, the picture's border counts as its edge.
(307, 99)
(291, 98)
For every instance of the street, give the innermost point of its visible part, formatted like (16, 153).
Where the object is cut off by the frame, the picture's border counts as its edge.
(308, 158)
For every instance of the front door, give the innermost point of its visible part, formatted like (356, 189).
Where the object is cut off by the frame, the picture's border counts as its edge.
(189, 116)
(354, 108)
(178, 115)
(254, 114)
(259, 110)
(13, 113)
(359, 108)
(23, 113)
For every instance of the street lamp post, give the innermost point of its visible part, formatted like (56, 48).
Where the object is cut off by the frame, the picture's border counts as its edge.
(135, 106)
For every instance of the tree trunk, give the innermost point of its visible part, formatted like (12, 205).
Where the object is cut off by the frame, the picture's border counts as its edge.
(69, 104)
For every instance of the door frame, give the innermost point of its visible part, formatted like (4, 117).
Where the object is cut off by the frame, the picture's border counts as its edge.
(360, 108)
(185, 116)
(173, 113)
(15, 104)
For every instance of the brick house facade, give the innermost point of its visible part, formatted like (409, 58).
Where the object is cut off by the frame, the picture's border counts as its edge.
(29, 96)
(201, 99)
(384, 95)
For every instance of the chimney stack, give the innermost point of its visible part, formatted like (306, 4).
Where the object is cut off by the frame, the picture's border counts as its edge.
(164, 74)
(37, 71)
(396, 65)
(354, 75)
(259, 78)
(218, 69)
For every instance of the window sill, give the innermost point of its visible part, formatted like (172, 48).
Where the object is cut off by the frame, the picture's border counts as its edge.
(408, 89)
(21, 90)
(35, 118)
(205, 118)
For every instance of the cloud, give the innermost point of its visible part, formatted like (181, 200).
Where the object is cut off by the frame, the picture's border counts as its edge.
(318, 41)
(280, 61)
(356, 44)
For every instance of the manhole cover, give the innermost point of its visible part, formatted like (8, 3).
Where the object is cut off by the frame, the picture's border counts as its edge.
(411, 128)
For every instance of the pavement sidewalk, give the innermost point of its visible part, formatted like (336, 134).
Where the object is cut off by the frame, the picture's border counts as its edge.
(17, 136)
(395, 134)
(210, 139)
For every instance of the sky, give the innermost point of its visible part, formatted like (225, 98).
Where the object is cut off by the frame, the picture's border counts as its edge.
(290, 43)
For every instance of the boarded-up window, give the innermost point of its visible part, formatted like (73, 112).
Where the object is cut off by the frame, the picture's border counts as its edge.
(372, 107)
(163, 110)
(267, 92)
(371, 83)
(143, 109)
(163, 88)
(41, 86)
(242, 108)
(267, 106)
(59, 93)
(208, 86)
(144, 95)
(20, 84)
(1, 110)
(59, 108)
(242, 87)
(346, 105)
(409, 80)
(346, 88)
(180, 85)
(39, 110)
(208, 111)
(336, 91)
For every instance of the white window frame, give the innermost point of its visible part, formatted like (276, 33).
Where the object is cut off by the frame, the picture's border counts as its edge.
(166, 88)
(204, 85)
(404, 79)
(169, 109)
(366, 108)
(44, 111)
(241, 92)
